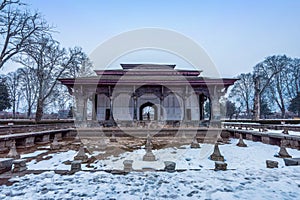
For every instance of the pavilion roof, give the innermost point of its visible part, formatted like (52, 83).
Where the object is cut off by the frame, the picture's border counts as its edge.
(141, 74)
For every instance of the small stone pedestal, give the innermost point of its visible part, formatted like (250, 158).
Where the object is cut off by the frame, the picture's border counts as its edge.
(285, 130)
(241, 142)
(75, 166)
(170, 166)
(283, 153)
(220, 139)
(149, 156)
(216, 155)
(220, 166)
(13, 151)
(77, 138)
(271, 164)
(113, 137)
(5, 164)
(195, 144)
(102, 142)
(128, 165)
(55, 145)
(19, 165)
(81, 155)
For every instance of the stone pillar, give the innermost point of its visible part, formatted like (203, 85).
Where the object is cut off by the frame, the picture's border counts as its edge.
(135, 107)
(184, 107)
(79, 107)
(201, 106)
(94, 110)
(85, 108)
(161, 114)
(111, 108)
(215, 104)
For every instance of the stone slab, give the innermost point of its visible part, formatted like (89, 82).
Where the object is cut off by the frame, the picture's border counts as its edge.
(291, 161)
(5, 164)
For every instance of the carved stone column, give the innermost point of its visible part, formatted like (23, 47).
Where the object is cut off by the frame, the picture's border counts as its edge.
(111, 108)
(85, 99)
(201, 106)
(184, 98)
(94, 109)
(161, 114)
(215, 111)
(135, 107)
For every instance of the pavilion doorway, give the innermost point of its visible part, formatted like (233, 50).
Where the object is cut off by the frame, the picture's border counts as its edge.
(148, 111)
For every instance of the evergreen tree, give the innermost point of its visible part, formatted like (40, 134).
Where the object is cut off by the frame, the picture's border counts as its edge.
(4, 97)
(265, 109)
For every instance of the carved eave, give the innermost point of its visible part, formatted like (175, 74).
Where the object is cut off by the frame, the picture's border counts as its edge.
(225, 82)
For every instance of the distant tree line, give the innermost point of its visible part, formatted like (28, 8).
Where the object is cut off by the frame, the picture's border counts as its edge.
(27, 39)
(274, 84)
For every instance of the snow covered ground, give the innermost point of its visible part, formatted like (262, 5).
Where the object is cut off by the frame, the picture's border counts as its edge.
(247, 177)
(280, 131)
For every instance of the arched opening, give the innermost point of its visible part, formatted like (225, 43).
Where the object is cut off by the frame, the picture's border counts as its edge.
(148, 111)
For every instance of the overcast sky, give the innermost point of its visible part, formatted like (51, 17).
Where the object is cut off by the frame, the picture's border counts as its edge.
(235, 34)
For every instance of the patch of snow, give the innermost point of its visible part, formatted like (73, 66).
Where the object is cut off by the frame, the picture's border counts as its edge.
(33, 154)
(280, 131)
(55, 162)
(247, 177)
(205, 184)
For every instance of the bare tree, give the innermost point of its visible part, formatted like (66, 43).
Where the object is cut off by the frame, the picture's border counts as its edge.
(264, 73)
(13, 85)
(292, 78)
(243, 91)
(50, 63)
(18, 28)
(28, 86)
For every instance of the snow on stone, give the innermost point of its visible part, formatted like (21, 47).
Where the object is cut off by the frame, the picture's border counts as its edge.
(247, 177)
(55, 162)
(280, 131)
(33, 154)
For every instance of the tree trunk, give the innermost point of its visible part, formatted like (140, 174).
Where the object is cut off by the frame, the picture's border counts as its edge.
(29, 112)
(283, 112)
(256, 110)
(39, 110)
(14, 108)
(247, 109)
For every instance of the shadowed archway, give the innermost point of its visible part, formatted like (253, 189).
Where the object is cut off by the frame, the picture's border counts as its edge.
(148, 111)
